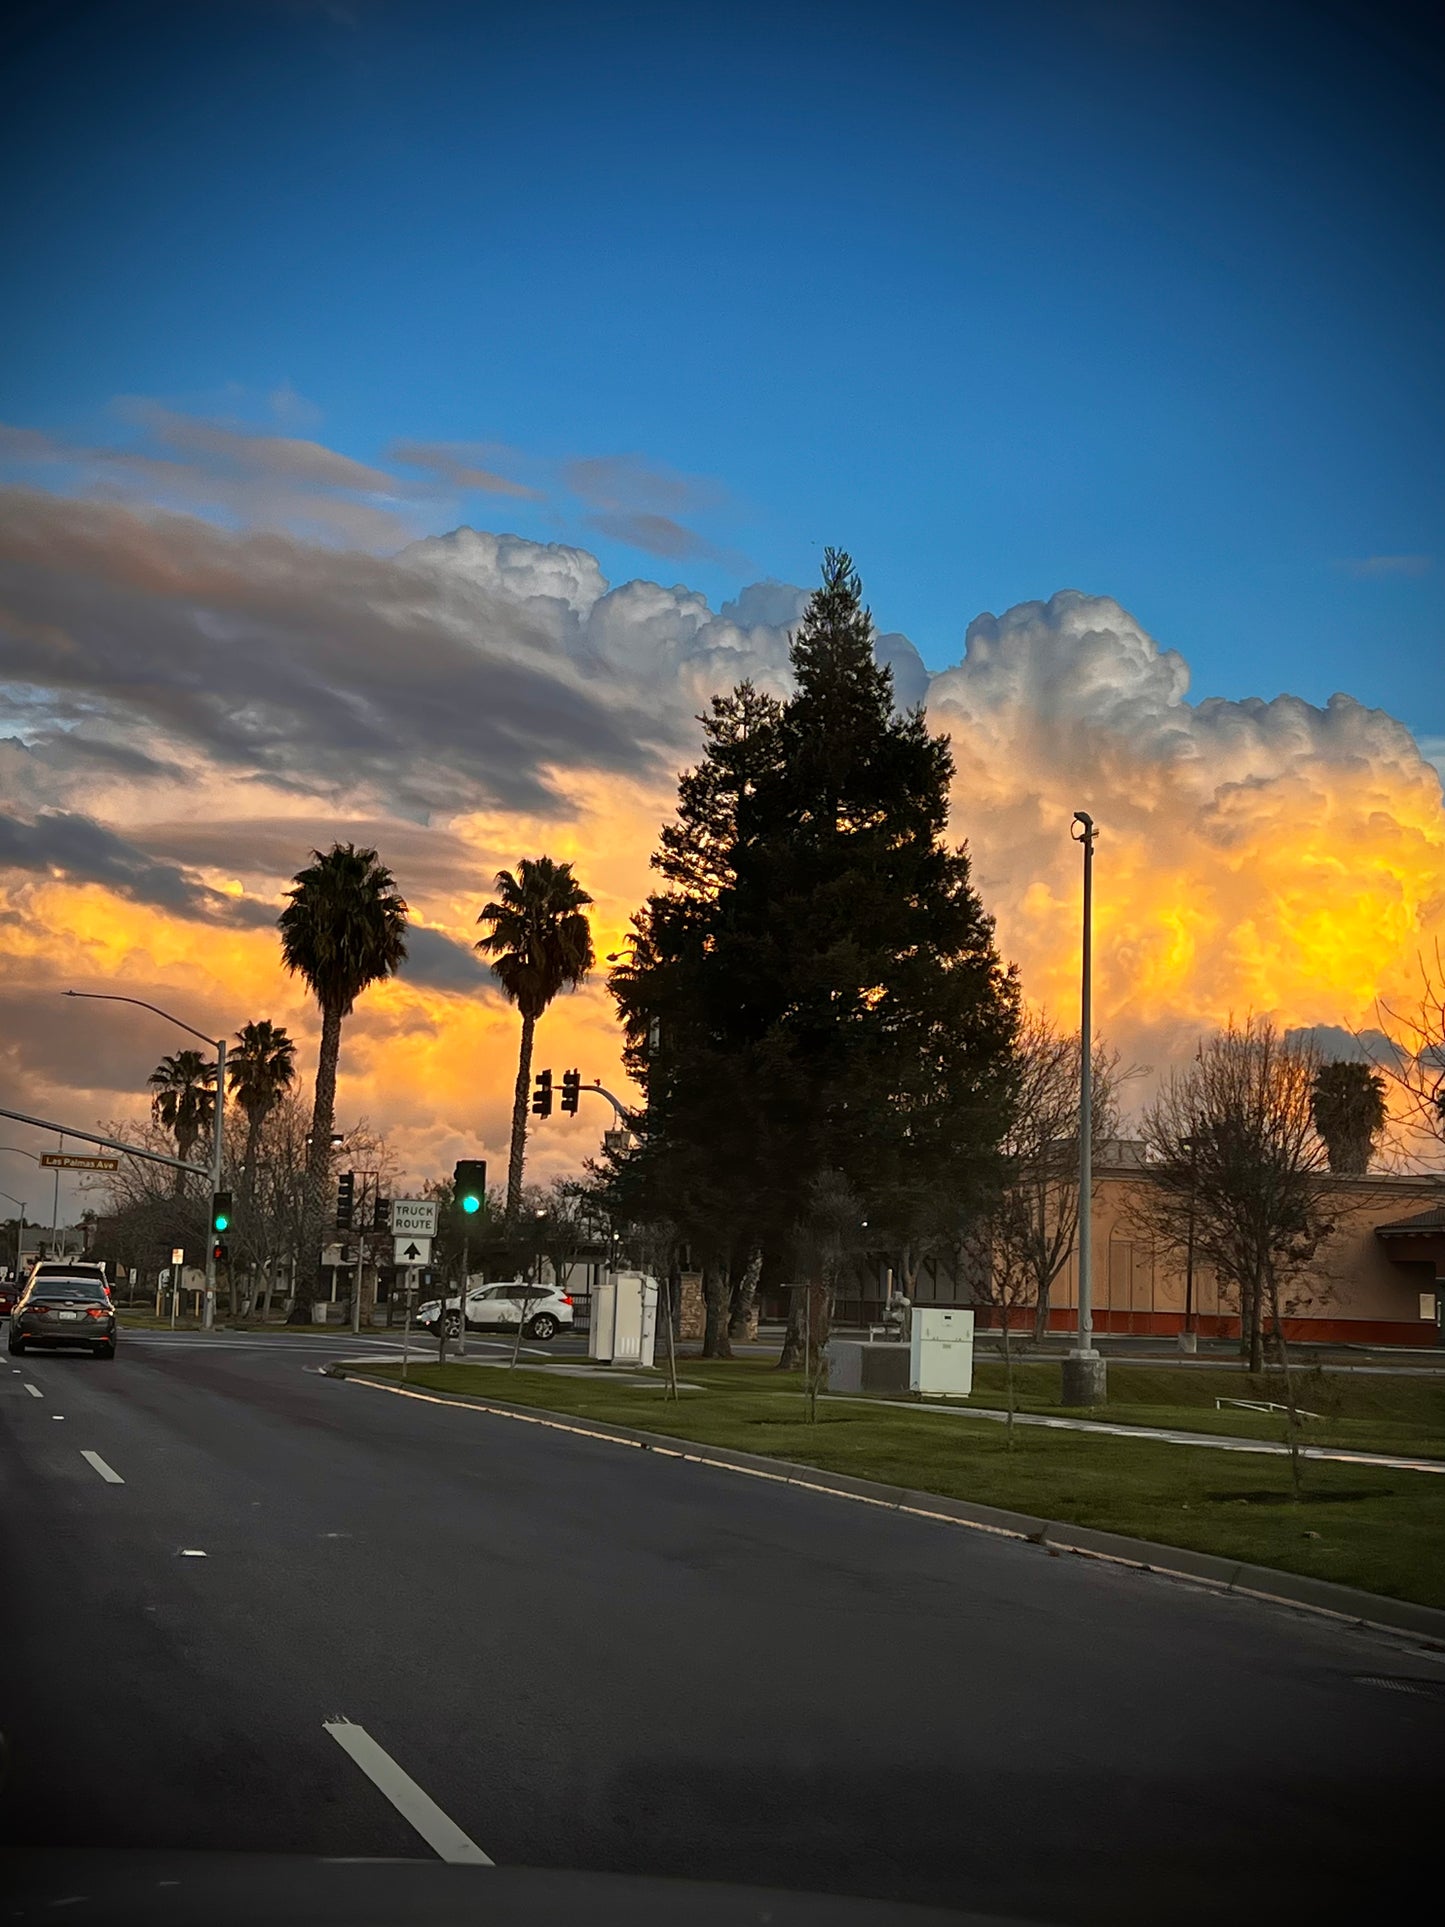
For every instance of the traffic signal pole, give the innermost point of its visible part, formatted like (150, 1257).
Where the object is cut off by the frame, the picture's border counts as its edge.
(218, 1131)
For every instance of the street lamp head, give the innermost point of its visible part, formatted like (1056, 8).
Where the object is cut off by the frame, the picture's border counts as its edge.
(1086, 826)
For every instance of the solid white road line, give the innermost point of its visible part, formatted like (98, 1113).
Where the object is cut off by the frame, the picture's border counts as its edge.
(418, 1809)
(108, 1473)
(34, 1390)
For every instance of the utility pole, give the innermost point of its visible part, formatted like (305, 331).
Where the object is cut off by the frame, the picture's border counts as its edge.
(55, 1203)
(1085, 1372)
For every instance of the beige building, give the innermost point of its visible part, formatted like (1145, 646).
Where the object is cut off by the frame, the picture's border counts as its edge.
(1377, 1281)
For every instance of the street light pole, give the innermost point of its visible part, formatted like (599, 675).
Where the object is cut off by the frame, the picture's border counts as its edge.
(218, 1122)
(1084, 1375)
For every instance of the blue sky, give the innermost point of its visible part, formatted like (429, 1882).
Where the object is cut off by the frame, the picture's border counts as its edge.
(1142, 300)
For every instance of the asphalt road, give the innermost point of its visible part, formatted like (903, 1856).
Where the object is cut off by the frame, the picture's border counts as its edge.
(586, 1657)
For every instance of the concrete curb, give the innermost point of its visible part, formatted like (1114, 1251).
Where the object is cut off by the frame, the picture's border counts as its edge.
(1372, 1611)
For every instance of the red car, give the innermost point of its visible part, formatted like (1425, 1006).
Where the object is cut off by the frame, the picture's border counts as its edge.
(9, 1292)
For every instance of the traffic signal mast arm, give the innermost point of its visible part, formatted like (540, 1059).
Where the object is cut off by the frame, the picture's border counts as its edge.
(572, 1086)
(623, 1114)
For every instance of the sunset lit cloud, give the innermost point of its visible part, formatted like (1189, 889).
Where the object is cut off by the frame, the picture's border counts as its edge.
(191, 708)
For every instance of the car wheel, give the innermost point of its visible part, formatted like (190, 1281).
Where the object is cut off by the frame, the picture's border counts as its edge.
(543, 1326)
(103, 1351)
(453, 1326)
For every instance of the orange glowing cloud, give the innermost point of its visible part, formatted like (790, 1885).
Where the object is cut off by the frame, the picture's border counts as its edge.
(495, 699)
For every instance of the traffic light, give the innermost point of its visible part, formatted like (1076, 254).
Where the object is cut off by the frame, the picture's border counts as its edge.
(469, 1185)
(345, 1200)
(381, 1215)
(218, 1251)
(220, 1211)
(542, 1096)
(571, 1086)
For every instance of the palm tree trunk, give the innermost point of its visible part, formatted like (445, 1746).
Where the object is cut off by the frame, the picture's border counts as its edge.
(519, 1120)
(185, 1144)
(318, 1167)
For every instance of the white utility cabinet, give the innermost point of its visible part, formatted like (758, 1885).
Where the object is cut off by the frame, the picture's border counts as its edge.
(940, 1353)
(623, 1330)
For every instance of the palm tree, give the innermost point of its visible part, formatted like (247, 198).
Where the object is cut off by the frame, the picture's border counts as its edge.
(1348, 1109)
(343, 928)
(539, 943)
(260, 1070)
(183, 1084)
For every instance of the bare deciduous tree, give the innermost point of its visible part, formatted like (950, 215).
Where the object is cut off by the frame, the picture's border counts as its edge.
(1235, 1163)
(1415, 1062)
(1034, 1217)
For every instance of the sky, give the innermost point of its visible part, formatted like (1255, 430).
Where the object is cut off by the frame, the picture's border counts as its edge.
(1105, 336)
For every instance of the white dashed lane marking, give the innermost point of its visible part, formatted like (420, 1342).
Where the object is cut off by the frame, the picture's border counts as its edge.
(34, 1390)
(108, 1473)
(418, 1809)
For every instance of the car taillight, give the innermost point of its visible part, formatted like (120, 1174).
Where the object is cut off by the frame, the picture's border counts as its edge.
(98, 1311)
(566, 1298)
(39, 1310)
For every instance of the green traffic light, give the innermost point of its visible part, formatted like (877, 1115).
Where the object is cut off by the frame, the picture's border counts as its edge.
(471, 1203)
(223, 1223)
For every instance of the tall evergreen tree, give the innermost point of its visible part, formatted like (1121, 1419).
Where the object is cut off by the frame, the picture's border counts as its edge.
(820, 982)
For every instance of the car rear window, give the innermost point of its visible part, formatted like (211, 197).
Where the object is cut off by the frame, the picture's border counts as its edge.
(90, 1289)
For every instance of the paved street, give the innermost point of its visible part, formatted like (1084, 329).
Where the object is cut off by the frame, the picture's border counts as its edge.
(582, 1656)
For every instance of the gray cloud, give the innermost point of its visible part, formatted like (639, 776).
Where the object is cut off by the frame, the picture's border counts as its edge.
(630, 482)
(456, 463)
(432, 684)
(423, 858)
(654, 534)
(635, 502)
(439, 962)
(1337, 1045)
(1366, 567)
(282, 456)
(66, 844)
(260, 481)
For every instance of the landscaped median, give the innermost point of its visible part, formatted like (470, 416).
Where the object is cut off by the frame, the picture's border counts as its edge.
(1382, 1531)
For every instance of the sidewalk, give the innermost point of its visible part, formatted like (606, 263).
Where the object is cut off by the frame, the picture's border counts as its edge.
(1164, 1435)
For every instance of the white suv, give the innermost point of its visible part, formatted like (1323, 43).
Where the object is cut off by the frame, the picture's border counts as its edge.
(546, 1309)
(68, 1268)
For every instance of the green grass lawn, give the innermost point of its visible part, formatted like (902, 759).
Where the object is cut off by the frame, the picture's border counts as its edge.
(1396, 1414)
(137, 1318)
(1380, 1530)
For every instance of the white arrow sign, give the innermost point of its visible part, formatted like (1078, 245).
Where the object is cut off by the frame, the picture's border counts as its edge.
(414, 1217)
(411, 1251)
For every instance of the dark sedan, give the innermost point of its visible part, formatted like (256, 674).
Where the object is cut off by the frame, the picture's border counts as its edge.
(54, 1312)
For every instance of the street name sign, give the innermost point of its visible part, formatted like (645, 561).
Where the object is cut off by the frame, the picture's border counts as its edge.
(72, 1161)
(413, 1218)
(411, 1251)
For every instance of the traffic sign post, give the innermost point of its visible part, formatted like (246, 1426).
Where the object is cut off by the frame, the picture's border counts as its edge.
(413, 1218)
